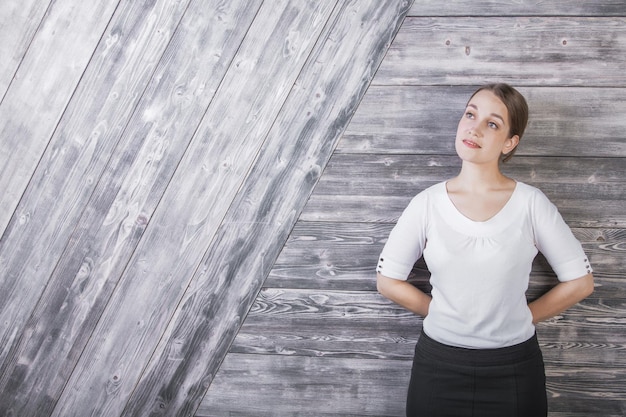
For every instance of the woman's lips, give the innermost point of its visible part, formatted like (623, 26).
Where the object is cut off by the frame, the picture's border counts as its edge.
(471, 144)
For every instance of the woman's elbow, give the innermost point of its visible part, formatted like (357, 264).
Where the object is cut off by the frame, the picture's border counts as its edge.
(382, 284)
(582, 287)
(587, 285)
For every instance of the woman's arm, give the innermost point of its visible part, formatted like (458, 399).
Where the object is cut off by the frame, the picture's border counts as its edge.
(561, 297)
(404, 294)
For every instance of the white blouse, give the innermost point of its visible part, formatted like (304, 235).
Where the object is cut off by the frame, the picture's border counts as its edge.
(480, 270)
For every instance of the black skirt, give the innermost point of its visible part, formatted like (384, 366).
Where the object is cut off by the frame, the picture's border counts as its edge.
(458, 382)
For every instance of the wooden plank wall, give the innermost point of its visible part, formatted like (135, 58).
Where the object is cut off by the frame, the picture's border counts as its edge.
(154, 156)
(320, 341)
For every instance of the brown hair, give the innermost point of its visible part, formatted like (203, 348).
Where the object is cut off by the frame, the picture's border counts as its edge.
(516, 106)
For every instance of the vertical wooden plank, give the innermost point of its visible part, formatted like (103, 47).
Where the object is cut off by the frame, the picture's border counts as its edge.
(56, 197)
(41, 89)
(255, 227)
(238, 118)
(19, 20)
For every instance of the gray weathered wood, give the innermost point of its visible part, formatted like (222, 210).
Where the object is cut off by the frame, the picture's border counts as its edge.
(520, 50)
(345, 325)
(343, 256)
(323, 323)
(41, 89)
(133, 183)
(56, 197)
(148, 280)
(585, 391)
(576, 121)
(159, 183)
(19, 21)
(280, 385)
(363, 324)
(275, 385)
(209, 175)
(335, 257)
(378, 187)
(256, 226)
(517, 7)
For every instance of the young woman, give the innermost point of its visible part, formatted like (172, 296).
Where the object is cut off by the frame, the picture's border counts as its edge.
(478, 354)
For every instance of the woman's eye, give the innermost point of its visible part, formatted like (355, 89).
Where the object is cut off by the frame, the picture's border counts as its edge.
(493, 125)
(469, 115)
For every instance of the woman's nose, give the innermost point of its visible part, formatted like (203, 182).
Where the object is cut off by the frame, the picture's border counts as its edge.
(473, 130)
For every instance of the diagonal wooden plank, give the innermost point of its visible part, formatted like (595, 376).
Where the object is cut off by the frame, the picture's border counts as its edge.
(41, 89)
(256, 226)
(524, 51)
(61, 186)
(19, 20)
(127, 194)
(223, 147)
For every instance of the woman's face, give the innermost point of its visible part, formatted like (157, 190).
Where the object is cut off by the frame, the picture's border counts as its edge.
(483, 132)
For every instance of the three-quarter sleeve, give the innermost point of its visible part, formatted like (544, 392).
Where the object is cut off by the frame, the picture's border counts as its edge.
(406, 240)
(556, 242)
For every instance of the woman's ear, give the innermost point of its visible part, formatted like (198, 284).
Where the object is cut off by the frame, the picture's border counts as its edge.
(510, 144)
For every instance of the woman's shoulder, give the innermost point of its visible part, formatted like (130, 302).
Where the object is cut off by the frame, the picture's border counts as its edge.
(535, 197)
(431, 192)
(426, 197)
(529, 190)
(435, 189)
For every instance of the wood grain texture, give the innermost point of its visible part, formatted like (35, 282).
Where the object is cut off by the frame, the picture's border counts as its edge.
(524, 51)
(585, 391)
(41, 88)
(563, 121)
(319, 302)
(343, 256)
(304, 386)
(19, 21)
(517, 7)
(362, 324)
(323, 323)
(585, 342)
(256, 226)
(184, 361)
(589, 192)
(286, 385)
(57, 195)
(152, 273)
(156, 154)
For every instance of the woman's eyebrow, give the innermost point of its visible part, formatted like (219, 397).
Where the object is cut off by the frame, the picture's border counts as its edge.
(492, 114)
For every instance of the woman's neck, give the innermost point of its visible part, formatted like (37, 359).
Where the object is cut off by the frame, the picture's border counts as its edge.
(481, 178)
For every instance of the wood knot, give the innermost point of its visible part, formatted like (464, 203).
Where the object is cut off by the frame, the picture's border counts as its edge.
(467, 50)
